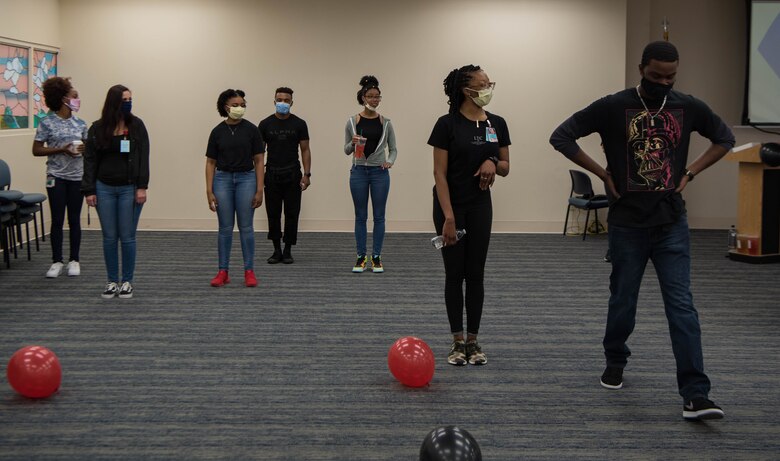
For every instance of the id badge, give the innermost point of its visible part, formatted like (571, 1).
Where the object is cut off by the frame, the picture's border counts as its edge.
(124, 146)
(50, 182)
(490, 134)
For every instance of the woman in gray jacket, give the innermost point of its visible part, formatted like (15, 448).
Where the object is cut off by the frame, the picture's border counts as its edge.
(370, 139)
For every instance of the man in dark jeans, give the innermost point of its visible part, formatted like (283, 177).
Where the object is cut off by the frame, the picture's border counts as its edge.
(283, 133)
(645, 132)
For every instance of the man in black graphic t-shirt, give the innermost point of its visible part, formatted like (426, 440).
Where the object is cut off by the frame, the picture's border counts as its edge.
(283, 133)
(645, 132)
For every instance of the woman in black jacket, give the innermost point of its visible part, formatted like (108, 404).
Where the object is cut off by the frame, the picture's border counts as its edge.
(116, 176)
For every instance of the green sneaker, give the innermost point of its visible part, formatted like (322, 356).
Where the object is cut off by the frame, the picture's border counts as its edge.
(376, 264)
(360, 264)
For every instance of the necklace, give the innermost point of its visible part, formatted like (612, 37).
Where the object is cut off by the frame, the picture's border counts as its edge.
(232, 130)
(649, 115)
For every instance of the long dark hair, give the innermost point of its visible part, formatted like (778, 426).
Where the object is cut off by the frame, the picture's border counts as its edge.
(368, 82)
(454, 84)
(112, 114)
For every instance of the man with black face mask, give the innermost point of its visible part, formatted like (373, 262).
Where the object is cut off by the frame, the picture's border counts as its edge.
(645, 132)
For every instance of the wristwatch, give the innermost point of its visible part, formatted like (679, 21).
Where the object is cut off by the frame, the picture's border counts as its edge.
(690, 175)
(308, 175)
(493, 159)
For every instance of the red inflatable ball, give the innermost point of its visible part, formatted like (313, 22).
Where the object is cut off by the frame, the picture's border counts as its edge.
(411, 361)
(34, 372)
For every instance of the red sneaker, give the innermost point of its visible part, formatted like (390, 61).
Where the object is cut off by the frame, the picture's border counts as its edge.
(249, 278)
(221, 279)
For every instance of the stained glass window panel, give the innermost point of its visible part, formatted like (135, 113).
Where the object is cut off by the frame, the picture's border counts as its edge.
(14, 87)
(45, 66)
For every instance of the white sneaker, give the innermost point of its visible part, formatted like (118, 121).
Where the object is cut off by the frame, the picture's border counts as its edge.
(54, 271)
(74, 269)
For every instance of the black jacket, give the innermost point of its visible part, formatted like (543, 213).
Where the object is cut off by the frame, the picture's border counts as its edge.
(112, 167)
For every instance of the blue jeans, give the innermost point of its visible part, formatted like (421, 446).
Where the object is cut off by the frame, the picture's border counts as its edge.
(118, 213)
(373, 180)
(234, 193)
(668, 247)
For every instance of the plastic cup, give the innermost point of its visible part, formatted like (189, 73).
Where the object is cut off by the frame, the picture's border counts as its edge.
(74, 146)
(360, 147)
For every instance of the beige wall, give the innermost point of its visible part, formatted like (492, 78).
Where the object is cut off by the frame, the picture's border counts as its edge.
(178, 55)
(549, 58)
(710, 36)
(28, 22)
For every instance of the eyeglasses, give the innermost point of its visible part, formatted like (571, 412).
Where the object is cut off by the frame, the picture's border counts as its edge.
(491, 85)
(375, 98)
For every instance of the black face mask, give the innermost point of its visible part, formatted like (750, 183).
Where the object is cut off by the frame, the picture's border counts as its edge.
(655, 90)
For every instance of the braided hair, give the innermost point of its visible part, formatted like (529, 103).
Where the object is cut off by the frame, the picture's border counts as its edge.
(368, 82)
(454, 84)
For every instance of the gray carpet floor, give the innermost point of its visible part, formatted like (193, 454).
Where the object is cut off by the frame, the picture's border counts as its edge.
(296, 369)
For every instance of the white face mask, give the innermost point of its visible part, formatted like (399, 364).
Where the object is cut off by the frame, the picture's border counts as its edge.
(370, 107)
(236, 113)
(483, 96)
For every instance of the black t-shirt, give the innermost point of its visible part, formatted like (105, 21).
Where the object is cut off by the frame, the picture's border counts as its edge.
(282, 138)
(646, 154)
(371, 129)
(234, 146)
(467, 146)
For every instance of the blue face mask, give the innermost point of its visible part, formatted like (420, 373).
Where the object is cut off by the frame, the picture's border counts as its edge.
(282, 108)
(127, 107)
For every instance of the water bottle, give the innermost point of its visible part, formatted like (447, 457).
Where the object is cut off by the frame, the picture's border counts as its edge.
(732, 238)
(438, 241)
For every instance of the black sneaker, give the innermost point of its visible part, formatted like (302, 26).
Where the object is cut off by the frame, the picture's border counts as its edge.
(112, 288)
(275, 258)
(126, 291)
(474, 354)
(612, 378)
(457, 355)
(700, 409)
(287, 257)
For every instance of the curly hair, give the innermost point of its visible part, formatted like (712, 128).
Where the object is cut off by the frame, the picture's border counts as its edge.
(54, 89)
(454, 84)
(223, 98)
(368, 82)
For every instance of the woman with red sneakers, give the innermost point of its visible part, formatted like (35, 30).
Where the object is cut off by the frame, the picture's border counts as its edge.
(234, 182)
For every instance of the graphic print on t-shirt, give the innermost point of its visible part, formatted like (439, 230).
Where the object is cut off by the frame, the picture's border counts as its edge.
(652, 142)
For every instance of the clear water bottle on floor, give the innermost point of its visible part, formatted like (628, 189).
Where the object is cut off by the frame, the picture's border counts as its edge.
(438, 241)
(733, 238)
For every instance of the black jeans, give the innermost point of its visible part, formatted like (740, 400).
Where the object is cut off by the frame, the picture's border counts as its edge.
(466, 261)
(283, 192)
(65, 195)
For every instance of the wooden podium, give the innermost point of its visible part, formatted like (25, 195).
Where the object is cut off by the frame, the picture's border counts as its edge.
(758, 208)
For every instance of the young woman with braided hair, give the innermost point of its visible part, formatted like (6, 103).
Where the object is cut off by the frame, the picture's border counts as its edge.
(370, 139)
(470, 147)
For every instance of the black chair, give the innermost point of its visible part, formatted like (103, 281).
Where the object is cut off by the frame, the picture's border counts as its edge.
(28, 206)
(582, 197)
(8, 208)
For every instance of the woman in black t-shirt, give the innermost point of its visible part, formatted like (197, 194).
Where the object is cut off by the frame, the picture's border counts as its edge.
(234, 182)
(470, 147)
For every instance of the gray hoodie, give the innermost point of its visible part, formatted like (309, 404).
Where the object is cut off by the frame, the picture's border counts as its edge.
(379, 156)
